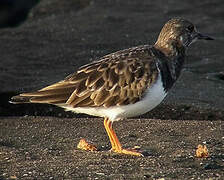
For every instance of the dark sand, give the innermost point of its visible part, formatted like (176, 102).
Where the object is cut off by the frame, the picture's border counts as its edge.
(45, 148)
(39, 141)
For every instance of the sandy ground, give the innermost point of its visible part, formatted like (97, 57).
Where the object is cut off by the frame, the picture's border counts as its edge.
(45, 148)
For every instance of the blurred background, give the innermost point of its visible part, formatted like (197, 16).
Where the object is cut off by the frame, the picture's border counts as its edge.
(43, 41)
(15, 12)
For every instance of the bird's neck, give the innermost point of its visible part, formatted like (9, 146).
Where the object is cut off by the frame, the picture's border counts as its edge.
(170, 47)
(173, 63)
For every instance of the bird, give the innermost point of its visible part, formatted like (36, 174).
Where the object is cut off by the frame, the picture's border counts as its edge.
(125, 83)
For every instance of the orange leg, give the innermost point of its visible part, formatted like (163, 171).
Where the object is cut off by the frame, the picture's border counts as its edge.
(115, 143)
(108, 133)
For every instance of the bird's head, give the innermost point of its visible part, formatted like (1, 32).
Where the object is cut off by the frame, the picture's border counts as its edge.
(180, 31)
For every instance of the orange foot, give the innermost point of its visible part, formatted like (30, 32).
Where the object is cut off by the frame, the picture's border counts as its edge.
(84, 145)
(128, 152)
(116, 145)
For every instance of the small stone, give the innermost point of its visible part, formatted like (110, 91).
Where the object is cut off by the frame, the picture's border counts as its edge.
(13, 177)
(202, 151)
(84, 145)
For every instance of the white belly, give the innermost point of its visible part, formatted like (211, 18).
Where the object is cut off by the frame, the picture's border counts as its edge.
(153, 97)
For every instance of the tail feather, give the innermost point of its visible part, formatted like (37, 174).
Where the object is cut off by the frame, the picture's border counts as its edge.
(49, 96)
(57, 93)
(49, 99)
(20, 99)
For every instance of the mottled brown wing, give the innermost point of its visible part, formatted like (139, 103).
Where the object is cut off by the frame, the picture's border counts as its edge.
(117, 79)
(110, 83)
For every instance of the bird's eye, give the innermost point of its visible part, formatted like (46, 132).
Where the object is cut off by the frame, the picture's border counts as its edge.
(190, 28)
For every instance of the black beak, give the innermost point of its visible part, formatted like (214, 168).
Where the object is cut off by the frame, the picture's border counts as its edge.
(202, 36)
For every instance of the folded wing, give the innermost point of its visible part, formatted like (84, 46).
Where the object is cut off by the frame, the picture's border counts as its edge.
(108, 82)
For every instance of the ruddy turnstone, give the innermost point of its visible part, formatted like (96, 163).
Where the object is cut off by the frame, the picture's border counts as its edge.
(123, 84)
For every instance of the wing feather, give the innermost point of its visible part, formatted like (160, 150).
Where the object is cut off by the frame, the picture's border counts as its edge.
(116, 79)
